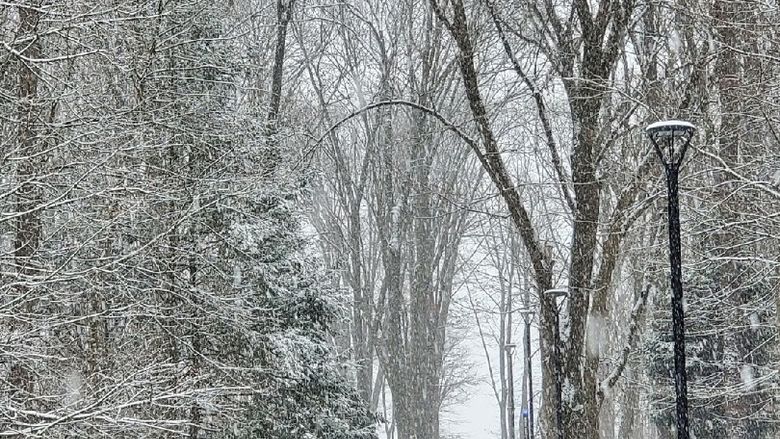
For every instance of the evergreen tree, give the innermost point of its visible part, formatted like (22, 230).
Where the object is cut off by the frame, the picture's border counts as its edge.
(178, 295)
(731, 377)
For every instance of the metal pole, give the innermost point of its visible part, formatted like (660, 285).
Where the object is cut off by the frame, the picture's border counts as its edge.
(672, 162)
(678, 314)
(511, 394)
(526, 434)
(530, 376)
(557, 353)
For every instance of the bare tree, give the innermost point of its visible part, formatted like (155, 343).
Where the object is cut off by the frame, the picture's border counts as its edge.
(395, 208)
(583, 47)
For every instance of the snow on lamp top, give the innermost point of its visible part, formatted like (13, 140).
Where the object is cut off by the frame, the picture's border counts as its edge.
(671, 151)
(667, 128)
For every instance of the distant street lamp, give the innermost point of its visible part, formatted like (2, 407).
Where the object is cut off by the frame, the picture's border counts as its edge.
(525, 423)
(528, 315)
(555, 293)
(510, 350)
(671, 139)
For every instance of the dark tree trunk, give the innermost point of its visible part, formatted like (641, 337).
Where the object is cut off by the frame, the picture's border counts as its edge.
(283, 16)
(28, 197)
(28, 226)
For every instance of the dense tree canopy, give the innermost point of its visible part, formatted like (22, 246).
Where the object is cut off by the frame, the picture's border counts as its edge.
(306, 219)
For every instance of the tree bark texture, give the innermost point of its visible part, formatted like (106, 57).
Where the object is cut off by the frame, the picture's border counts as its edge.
(28, 225)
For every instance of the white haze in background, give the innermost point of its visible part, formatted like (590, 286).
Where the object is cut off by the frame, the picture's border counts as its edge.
(748, 377)
(755, 322)
(73, 382)
(596, 335)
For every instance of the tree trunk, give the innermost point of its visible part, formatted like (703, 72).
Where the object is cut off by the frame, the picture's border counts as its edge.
(28, 226)
(28, 197)
(283, 17)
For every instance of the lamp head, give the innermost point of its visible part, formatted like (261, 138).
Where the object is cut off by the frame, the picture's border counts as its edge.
(670, 139)
(556, 292)
(670, 128)
(527, 313)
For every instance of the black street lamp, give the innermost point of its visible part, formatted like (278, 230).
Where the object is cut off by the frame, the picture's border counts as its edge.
(510, 350)
(528, 315)
(555, 293)
(671, 139)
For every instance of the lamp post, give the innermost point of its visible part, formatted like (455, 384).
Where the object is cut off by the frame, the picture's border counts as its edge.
(510, 350)
(525, 424)
(555, 293)
(671, 139)
(528, 315)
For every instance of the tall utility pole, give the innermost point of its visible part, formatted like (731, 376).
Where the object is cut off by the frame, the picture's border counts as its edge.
(674, 137)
